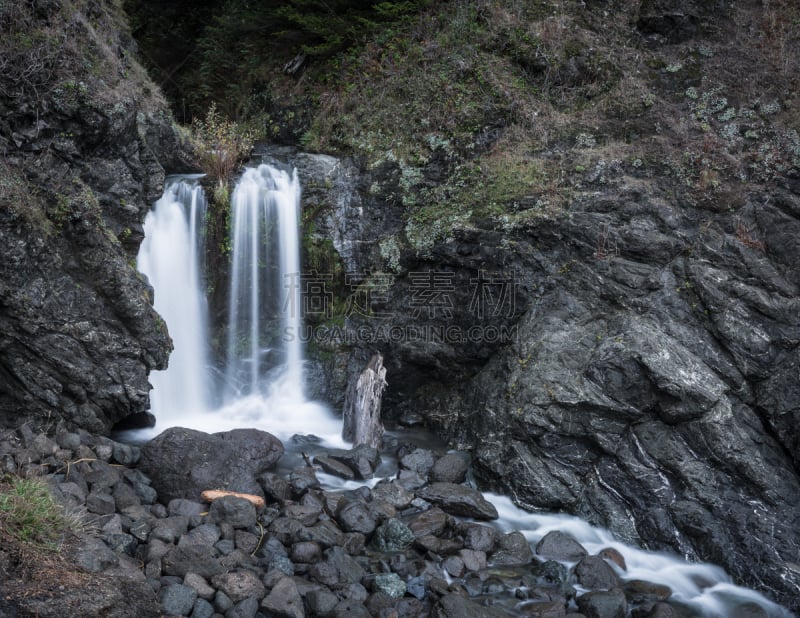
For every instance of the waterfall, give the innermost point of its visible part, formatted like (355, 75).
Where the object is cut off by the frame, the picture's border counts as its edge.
(170, 257)
(265, 211)
(262, 385)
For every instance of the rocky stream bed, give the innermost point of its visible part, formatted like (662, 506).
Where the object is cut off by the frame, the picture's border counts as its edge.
(334, 539)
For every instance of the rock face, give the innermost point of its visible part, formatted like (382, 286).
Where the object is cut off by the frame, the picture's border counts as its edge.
(82, 161)
(648, 382)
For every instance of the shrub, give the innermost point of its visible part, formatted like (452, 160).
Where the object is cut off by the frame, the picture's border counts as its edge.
(220, 145)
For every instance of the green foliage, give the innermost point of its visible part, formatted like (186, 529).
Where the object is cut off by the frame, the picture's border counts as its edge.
(29, 513)
(220, 145)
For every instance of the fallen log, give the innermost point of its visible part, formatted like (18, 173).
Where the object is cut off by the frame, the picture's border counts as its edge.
(209, 495)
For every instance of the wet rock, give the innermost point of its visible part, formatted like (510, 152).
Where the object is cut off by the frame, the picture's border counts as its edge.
(454, 566)
(170, 529)
(183, 462)
(458, 500)
(325, 533)
(545, 609)
(419, 460)
(593, 572)
(335, 467)
(239, 585)
(362, 460)
(612, 555)
(238, 512)
(392, 492)
(430, 522)
(202, 609)
(450, 468)
(479, 537)
(321, 602)
(557, 545)
(473, 560)
(275, 486)
(638, 591)
(199, 585)
(603, 604)
(246, 608)
(512, 548)
(177, 599)
(302, 480)
(355, 516)
(350, 609)
(390, 584)
(196, 558)
(284, 600)
(307, 552)
(456, 606)
(393, 535)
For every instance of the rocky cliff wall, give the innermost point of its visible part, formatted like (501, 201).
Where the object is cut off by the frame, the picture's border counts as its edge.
(84, 137)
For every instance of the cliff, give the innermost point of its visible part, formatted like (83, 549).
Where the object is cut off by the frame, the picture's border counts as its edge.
(82, 133)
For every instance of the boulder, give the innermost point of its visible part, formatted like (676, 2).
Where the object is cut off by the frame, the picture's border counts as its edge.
(182, 463)
(458, 500)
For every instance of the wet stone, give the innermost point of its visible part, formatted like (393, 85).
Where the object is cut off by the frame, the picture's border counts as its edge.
(459, 500)
(393, 535)
(450, 468)
(390, 584)
(335, 467)
(177, 599)
(638, 591)
(603, 604)
(430, 522)
(246, 608)
(557, 545)
(512, 548)
(479, 537)
(237, 512)
(594, 573)
(199, 585)
(355, 516)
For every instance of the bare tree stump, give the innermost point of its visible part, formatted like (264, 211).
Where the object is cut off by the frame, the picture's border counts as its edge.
(362, 405)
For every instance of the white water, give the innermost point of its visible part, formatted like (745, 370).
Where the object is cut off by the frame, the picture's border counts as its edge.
(705, 588)
(263, 385)
(169, 256)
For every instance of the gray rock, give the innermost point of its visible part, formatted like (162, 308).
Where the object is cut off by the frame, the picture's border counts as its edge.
(237, 512)
(199, 585)
(362, 460)
(594, 573)
(181, 506)
(121, 543)
(94, 556)
(419, 460)
(301, 480)
(390, 584)
(125, 454)
(202, 609)
(455, 606)
(125, 496)
(335, 467)
(557, 545)
(321, 602)
(459, 500)
(222, 602)
(355, 516)
(392, 492)
(307, 552)
(479, 537)
(239, 585)
(177, 599)
(638, 591)
(392, 535)
(170, 529)
(100, 503)
(284, 600)
(246, 608)
(430, 522)
(450, 468)
(183, 462)
(512, 548)
(603, 604)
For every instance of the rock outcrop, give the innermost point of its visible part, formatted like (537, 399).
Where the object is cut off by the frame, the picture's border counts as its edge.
(84, 136)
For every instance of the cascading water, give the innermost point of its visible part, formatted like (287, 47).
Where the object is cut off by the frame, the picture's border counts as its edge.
(263, 385)
(170, 257)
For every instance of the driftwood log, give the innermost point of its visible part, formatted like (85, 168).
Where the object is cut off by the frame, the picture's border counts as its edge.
(362, 405)
(209, 495)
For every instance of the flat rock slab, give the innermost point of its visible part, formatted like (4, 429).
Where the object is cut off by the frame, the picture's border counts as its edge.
(459, 500)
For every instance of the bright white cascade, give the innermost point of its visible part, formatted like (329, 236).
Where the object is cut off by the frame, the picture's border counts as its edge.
(263, 375)
(170, 256)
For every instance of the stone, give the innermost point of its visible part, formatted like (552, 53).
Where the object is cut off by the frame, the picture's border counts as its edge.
(594, 573)
(321, 602)
(125, 496)
(557, 545)
(284, 600)
(100, 503)
(473, 560)
(362, 460)
(512, 548)
(614, 556)
(238, 512)
(181, 506)
(125, 454)
(450, 468)
(455, 606)
(177, 599)
(479, 537)
(246, 608)
(419, 460)
(199, 585)
(392, 535)
(603, 604)
(431, 522)
(307, 552)
(239, 585)
(546, 609)
(392, 492)
(337, 468)
(183, 462)
(458, 500)
(302, 480)
(202, 609)
(390, 584)
(355, 516)
(638, 591)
